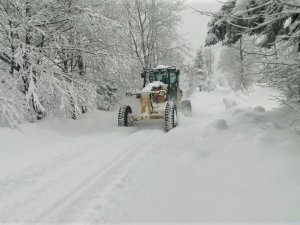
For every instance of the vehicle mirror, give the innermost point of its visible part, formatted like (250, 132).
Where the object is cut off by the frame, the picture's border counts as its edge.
(143, 75)
(177, 72)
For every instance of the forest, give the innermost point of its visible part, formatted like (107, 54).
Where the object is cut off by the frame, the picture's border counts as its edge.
(260, 43)
(65, 57)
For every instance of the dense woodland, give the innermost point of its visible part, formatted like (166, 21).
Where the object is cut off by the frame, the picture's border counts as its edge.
(65, 57)
(260, 43)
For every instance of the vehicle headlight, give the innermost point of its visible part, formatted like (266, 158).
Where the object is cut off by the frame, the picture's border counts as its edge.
(162, 93)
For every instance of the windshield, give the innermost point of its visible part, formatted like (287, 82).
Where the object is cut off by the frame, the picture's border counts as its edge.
(161, 76)
(173, 77)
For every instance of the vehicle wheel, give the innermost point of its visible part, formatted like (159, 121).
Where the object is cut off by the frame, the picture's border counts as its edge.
(123, 117)
(186, 107)
(170, 116)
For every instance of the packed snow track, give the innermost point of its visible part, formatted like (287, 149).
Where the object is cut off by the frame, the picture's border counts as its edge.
(233, 161)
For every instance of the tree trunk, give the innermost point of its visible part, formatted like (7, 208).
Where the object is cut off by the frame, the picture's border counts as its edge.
(26, 64)
(210, 63)
(80, 65)
(243, 82)
(39, 113)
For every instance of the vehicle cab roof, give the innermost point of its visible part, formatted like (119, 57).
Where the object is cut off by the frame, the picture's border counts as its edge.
(163, 68)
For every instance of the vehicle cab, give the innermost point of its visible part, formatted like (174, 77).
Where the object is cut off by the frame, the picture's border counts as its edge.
(167, 75)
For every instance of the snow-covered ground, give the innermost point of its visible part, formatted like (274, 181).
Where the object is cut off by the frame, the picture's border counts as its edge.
(235, 160)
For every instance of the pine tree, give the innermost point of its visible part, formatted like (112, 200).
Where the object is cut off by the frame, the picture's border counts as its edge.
(203, 68)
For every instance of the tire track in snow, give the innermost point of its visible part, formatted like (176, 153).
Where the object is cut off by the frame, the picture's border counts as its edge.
(96, 194)
(36, 176)
(23, 179)
(47, 194)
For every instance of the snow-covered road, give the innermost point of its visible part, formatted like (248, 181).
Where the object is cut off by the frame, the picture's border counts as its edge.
(230, 162)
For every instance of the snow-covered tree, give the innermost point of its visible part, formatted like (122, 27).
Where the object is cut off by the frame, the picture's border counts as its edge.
(203, 66)
(275, 26)
(66, 57)
(152, 28)
(62, 55)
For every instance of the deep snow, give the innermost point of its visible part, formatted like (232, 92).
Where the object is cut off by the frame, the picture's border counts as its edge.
(235, 160)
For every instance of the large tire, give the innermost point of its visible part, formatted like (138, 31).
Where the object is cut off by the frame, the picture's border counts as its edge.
(186, 107)
(170, 116)
(123, 117)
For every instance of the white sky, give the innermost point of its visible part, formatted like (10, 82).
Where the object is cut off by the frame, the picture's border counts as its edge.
(194, 26)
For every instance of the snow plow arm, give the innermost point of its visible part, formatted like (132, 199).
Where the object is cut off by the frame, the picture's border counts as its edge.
(160, 92)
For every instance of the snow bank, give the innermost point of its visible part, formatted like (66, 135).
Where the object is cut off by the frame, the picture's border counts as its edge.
(259, 109)
(215, 126)
(242, 168)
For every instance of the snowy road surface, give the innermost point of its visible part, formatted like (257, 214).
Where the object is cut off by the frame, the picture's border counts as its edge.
(230, 162)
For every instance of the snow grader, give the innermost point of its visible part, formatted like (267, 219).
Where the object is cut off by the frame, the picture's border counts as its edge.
(160, 99)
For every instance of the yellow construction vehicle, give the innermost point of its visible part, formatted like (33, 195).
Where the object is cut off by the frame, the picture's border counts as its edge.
(160, 98)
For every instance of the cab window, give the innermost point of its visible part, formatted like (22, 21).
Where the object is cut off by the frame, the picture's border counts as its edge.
(160, 76)
(173, 77)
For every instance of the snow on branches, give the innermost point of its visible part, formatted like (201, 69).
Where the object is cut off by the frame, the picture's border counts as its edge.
(274, 26)
(58, 53)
